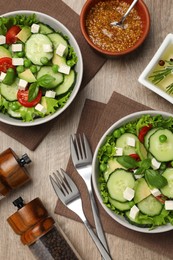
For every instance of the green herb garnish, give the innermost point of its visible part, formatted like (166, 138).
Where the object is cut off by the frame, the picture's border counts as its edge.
(155, 179)
(159, 75)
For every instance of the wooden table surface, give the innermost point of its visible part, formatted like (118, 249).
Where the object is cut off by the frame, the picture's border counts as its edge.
(118, 75)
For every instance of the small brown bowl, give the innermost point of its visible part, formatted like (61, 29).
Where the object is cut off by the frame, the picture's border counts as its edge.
(143, 13)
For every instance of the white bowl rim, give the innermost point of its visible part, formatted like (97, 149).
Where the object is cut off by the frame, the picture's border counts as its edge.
(16, 122)
(118, 218)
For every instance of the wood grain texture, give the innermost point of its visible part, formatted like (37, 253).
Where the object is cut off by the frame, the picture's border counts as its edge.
(118, 75)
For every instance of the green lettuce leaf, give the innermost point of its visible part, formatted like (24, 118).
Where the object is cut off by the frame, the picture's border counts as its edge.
(51, 104)
(4, 104)
(23, 20)
(28, 113)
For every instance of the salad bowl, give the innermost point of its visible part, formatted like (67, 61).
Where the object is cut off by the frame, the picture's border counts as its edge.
(131, 151)
(51, 54)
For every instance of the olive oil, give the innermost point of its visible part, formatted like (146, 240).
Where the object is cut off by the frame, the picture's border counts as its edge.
(168, 79)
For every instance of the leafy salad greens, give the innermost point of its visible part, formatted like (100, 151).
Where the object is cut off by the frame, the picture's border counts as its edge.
(37, 68)
(136, 171)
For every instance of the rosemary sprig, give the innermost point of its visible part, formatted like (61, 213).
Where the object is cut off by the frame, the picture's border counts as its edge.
(169, 89)
(159, 75)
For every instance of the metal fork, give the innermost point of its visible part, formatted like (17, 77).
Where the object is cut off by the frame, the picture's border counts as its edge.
(69, 194)
(82, 159)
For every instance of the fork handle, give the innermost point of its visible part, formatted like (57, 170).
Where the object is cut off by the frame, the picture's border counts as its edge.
(103, 251)
(97, 221)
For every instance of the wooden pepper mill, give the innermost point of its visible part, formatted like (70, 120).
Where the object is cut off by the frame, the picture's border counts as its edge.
(30, 221)
(12, 171)
(37, 230)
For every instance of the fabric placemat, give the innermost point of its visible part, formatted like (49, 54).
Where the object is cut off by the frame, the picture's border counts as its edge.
(92, 62)
(102, 117)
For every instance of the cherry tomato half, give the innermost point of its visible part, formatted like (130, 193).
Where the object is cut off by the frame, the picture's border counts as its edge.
(5, 64)
(143, 131)
(135, 156)
(11, 34)
(22, 96)
(161, 198)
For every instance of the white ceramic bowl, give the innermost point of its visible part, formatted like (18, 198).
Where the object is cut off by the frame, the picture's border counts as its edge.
(56, 25)
(143, 78)
(95, 173)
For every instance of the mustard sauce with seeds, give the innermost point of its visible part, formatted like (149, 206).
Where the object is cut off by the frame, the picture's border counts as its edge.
(113, 38)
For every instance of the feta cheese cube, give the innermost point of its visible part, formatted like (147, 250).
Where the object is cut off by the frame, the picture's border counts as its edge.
(169, 204)
(47, 48)
(35, 28)
(118, 151)
(50, 93)
(40, 108)
(155, 164)
(64, 69)
(131, 141)
(17, 61)
(60, 49)
(137, 176)
(128, 194)
(155, 192)
(22, 84)
(2, 39)
(2, 76)
(16, 47)
(134, 212)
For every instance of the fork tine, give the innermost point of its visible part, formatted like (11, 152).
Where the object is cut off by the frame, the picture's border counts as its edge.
(61, 183)
(73, 149)
(80, 148)
(57, 189)
(64, 181)
(64, 186)
(87, 148)
(70, 182)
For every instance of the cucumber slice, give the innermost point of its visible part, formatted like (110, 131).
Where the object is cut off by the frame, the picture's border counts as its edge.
(168, 189)
(45, 29)
(56, 39)
(48, 70)
(118, 181)
(141, 150)
(139, 221)
(147, 136)
(34, 48)
(69, 81)
(162, 151)
(9, 91)
(150, 206)
(122, 142)
(122, 206)
(112, 165)
(142, 190)
(14, 113)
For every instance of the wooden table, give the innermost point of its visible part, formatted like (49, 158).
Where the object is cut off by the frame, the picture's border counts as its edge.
(116, 75)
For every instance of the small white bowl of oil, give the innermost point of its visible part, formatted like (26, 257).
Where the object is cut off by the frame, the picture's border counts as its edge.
(158, 74)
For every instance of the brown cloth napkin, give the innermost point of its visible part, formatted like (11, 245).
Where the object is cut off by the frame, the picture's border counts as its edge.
(102, 117)
(92, 62)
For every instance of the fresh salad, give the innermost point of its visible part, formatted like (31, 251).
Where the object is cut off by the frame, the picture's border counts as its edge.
(37, 68)
(136, 171)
